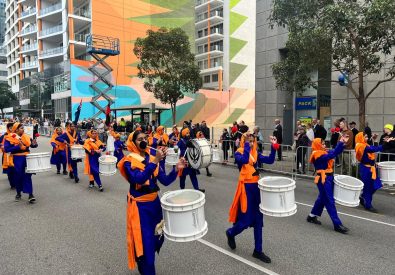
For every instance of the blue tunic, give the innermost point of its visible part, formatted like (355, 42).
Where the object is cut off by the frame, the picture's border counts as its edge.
(182, 145)
(118, 153)
(73, 163)
(150, 212)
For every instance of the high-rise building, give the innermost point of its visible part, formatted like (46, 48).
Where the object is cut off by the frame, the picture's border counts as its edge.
(3, 58)
(41, 37)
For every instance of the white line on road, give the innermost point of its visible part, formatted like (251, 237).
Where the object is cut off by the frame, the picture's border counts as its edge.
(358, 217)
(236, 257)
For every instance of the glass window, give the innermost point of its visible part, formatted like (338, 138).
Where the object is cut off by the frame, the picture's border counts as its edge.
(215, 77)
(206, 79)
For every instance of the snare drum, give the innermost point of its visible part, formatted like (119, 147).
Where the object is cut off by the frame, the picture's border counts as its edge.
(77, 152)
(171, 157)
(108, 165)
(38, 163)
(201, 155)
(183, 212)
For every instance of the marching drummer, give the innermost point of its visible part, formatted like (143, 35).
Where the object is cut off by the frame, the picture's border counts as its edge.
(174, 137)
(70, 137)
(200, 134)
(183, 144)
(119, 146)
(244, 211)
(367, 167)
(323, 162)
(17, 144)
(5, 162)
(58, 157)
(93, 149)
(159, 139)
(144, 213)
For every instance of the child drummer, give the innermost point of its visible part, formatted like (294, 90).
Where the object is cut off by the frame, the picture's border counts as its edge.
(58, 157)
(244, 211)
(144, 212)
(93, 148)
(323, 163)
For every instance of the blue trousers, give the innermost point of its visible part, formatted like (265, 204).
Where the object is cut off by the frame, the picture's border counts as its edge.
(10, 175)
(370, 186)
(23, 181)
(252, 218)
(73, 164)
(94, 168)
(192, 175)
(325, 199)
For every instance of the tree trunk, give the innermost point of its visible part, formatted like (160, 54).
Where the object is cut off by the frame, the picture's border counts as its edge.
(174, 112)
(362, 111)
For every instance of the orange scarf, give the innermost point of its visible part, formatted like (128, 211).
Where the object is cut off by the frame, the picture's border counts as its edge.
(73, 137)
(14, 139)
(89, 145)
(319, 151)
(360, 147)
(60, 146)
(246, 176)
(161, 134)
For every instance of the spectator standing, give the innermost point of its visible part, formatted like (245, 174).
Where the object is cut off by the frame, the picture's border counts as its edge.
(354, 131)
(335, 135)
(225, 141)
(302, 143)
(234, 137)
(259, 138)
(278, 133)
(388, 147)
(310, 133)
(205, 130)
(319, 131)
(368, 132)
(348, 146)
(101, 130)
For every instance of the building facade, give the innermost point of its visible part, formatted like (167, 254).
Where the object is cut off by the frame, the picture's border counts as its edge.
(328, 102)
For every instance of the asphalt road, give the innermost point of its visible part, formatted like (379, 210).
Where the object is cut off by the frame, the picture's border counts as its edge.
(74, 230)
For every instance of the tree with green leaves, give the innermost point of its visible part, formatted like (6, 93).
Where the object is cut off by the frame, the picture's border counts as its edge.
(353, 38)
(6, 97)
(167, 65)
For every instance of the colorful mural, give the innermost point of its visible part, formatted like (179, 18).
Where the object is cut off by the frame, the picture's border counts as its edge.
(131, 19)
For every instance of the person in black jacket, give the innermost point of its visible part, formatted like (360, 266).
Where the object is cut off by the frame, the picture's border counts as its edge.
(225, 141)
(354, 131)
(368, 132)
(302, 143)
(278, 134)
(205, 130)
(319, 131)
(388, 147)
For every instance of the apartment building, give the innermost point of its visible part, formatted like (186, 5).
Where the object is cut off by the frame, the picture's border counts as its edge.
(41, 38)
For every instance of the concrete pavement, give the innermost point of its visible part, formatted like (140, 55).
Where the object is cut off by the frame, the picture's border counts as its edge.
(74, 230)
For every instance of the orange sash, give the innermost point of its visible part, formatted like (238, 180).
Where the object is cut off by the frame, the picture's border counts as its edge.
(60, 146)
(134, 238)
(14, 139)
(246, 176)
(136, 162)
(89, 145)
(72, 138)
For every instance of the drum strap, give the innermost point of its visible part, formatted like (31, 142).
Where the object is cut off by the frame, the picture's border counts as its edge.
(373, 170)
(322, 174)
(134, 238)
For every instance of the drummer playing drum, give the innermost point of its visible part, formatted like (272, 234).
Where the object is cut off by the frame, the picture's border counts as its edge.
(244, 211)
(144, 213)
(323, 163)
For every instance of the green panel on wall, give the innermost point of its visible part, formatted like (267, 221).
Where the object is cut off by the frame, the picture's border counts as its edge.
(235, 71)
(167, 22)
(236, 20)
(170, 4)
(234, 116)
(233, 3)
(235, 46)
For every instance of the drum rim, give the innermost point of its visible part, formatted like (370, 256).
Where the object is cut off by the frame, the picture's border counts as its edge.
(107, 156)
(195, 140)
(39, 154)
(384, 164)
(291, 184)
(289, 213)
(353, 187)
(175, 192)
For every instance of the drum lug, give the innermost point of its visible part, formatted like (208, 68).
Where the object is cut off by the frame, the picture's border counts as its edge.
(195, 219)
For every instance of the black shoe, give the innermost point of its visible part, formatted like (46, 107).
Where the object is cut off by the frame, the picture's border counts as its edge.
(298, 172)
(58, 172)
(202, 190)
(32, 199)
(261, 256)
(313, 220)
(209, 175)
(65, 172)
(231, 241)
(101, 189)
(76, 180)
(18, 197)
(341, 229)
(372, 209)
(71, 175)
(91, 184)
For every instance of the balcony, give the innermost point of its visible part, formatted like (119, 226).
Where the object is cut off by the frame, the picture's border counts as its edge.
(29, 48)
(51, 31)
(215, 35)
(82, 12)
(51, 9)
(215, 51)
(215, 17)
(29, 31)
(80, 37)
(29, 15)
(31, 65)
(201, 5)
(52, 52)
(27, 2)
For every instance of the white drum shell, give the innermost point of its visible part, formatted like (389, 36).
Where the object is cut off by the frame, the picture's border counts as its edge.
(171, 157)
(205, 152)
(107, 168)
(277, 196)
(387, 172)
(38, 163)
(77, 152)
(347, 190)
(184, 222)
(110, 144)
(217, 155)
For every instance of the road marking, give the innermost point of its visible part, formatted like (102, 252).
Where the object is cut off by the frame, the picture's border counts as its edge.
(354, 216)
(236, 257)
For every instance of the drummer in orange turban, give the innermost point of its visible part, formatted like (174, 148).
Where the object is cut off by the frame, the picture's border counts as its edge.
(118, 146)
(183, 144)
(71, 137)
(93, 149)
(58, 157)
(366, 157)
(244, 212)
(144, 213)
(323, 163)
(17, 144)
(6, 169)
(159, 139)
